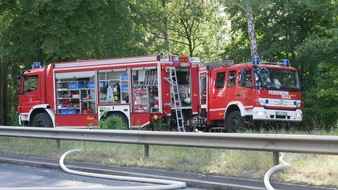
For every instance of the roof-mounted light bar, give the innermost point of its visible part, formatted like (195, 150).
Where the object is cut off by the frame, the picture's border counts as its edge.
(286, 62)
(181, 59)
(255, 60)
(36, 65)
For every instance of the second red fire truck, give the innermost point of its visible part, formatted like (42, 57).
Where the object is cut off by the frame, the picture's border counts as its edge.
(236, 97)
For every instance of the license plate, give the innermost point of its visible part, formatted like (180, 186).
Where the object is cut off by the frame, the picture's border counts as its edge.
(282, 113)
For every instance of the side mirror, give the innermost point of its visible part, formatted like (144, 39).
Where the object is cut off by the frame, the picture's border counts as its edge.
(18, 83)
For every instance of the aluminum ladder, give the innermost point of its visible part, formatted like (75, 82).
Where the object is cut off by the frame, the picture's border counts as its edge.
(176, 97)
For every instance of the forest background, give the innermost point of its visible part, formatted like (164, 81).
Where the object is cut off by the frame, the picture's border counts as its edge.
(303, 31)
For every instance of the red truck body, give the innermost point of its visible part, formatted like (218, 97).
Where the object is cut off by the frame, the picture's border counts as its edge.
(77, 94)
(237, 96)
(178, 89)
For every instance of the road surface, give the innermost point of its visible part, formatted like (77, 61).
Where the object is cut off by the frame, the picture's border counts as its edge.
(20, 176)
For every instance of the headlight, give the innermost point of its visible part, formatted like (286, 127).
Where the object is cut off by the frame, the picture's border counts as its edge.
(299, 104)
(299, 115)
(261, 113)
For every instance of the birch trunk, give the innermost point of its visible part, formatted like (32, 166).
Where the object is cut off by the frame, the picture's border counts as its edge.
(251, 32)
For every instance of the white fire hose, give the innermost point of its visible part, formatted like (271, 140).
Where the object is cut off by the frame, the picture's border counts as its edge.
(166, 184)
(273, 169)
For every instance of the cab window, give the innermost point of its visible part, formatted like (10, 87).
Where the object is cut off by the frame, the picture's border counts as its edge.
(245, 79)
(30, 83)
(220, 80)
(231, 78)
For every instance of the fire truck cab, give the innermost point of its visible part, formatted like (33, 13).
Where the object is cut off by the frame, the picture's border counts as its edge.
(136, 89)
(235, 97)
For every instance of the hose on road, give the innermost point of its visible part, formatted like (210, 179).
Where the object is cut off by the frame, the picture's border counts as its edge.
(166, 184)
(272, 170)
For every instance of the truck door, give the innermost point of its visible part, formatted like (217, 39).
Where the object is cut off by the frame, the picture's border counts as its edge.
(244, 89)
(217, 86)
(30, 94)
(230, 94)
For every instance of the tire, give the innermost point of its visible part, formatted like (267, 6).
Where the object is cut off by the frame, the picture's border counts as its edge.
(234, 123)
(122, 117)
(42, 120)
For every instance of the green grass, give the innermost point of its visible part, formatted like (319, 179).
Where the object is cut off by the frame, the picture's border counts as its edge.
(320, 170)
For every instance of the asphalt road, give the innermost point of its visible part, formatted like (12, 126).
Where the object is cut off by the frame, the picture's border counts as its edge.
(15, 172)
(20, 176)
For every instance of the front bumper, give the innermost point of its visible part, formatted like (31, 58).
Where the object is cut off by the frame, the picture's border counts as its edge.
(260, 113)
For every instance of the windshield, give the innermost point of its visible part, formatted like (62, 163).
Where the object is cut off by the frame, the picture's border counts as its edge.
(276, 79)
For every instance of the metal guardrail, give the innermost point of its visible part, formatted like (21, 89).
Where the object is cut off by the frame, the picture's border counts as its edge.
(275, 143)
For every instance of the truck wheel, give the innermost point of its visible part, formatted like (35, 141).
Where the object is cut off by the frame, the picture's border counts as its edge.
(42, 120)
(122, 117)
(234, 122)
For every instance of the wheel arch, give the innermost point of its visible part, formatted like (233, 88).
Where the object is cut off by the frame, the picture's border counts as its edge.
(39, 109)
(234, 106)
(105, 111)
(112, 112)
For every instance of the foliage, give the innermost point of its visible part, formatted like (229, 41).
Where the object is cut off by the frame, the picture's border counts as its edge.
(111, 122)
(320, 54)
(158, 125)
(280, 26)
(68, 30)
(195, 28)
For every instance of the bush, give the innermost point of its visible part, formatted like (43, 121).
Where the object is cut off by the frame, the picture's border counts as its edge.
(111, 122)
(158, 125)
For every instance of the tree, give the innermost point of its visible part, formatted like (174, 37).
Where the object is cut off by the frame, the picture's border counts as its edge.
(321, 98)
(5, 104)
(247, 7)
(196, 26)
(65, 30)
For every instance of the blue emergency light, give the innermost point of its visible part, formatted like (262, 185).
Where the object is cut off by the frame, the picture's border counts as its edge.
(255, 60)
(36, 65)
(285, 62)
(176, 59)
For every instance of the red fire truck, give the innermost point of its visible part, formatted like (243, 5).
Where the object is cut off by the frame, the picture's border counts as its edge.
(136, 89)
(235, 97)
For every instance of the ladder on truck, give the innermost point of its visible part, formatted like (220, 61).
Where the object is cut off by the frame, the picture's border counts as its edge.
(176, 97)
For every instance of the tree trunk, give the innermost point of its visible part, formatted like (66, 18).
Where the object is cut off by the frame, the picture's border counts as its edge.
(1, 90)
(5, 100)
(251, 32)
(166, 23)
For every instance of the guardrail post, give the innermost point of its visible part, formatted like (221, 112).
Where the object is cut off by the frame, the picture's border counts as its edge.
(146, 150)
(58, 143)
(275, 158)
